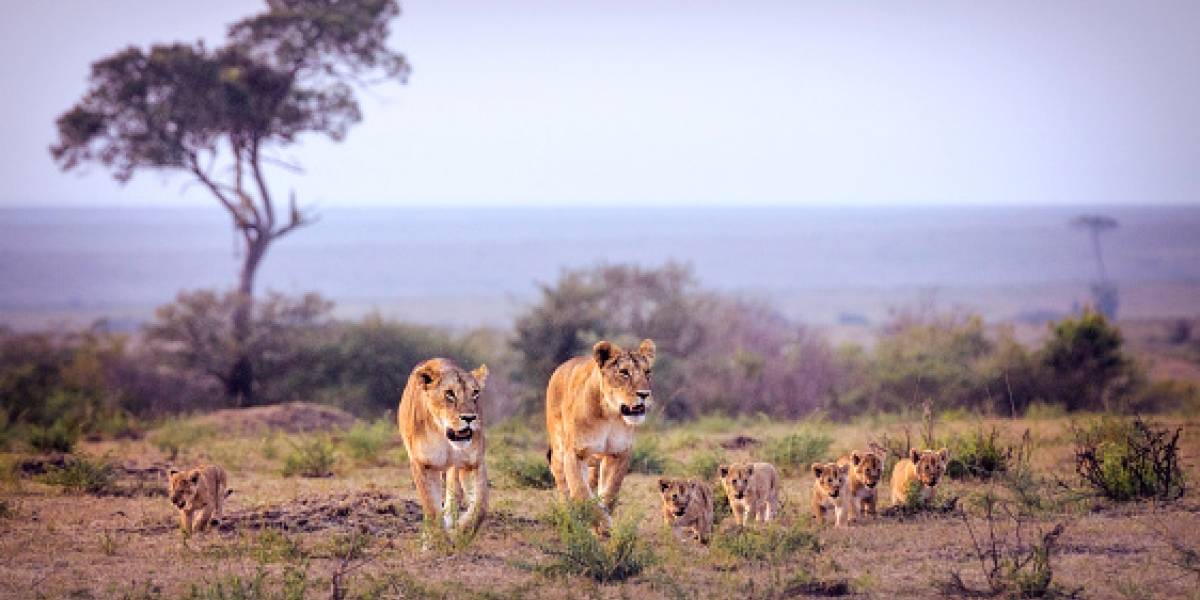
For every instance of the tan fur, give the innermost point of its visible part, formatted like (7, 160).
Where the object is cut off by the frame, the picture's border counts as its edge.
(866, 469)
(752, 490)
(593, 404)
(687, 507)
(925, 466)
(198, 492)
(438, 403)
(830, 492)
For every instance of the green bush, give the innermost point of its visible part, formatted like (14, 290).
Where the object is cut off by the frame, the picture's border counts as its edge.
(771, 543)
(581, 552)
(82, 474)
(176, 436)
(1129, 459)
(523, 470)
(311, 457)
(979, 454)
(647, 458)
(57, 438)
(796, 452)
(1087, 366)
(366, 443)
(703, 464)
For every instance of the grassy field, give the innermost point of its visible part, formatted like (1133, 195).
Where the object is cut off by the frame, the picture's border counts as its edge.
(292, 537)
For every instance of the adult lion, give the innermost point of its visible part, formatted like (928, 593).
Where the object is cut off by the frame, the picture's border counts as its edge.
(442, 427)
(593, 404)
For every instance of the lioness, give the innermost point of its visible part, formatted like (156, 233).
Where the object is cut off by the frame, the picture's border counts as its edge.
(829, 493)
(442, 427)
(752, 490)
(866, 469)
(593, 404)
(687, 507)
(202, 490)
(925, 466)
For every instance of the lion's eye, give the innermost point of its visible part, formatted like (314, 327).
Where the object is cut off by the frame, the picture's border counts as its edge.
(475, 395)
(625, 373)
(450, 395)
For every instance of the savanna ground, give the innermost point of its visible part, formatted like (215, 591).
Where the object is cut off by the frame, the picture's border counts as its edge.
(291, 536)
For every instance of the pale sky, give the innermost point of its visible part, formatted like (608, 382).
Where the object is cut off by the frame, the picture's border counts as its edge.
(686, 102)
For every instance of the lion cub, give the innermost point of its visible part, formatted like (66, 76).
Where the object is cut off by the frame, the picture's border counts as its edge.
(866, 469)
(925, 466)
(752, 489)
(199, 490)
(687, 507)
(829, 493)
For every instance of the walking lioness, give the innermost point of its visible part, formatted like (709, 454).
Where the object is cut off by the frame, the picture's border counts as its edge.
(593, 404)
(441, 423)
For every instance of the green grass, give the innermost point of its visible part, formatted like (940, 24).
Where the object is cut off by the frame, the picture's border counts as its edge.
(770, 543)
(56, 438)
(979, 454)
(794, 453)
(177, 436)
(580, 552)
(522, 470)
(368, 443)
(83, 474)
(703, 464)
(310, 457)
(647, 457)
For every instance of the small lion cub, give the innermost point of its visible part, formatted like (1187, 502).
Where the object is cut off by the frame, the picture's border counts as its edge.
(202, 490)
(752, 490)
(925, 466)
(866, 469)
(687, 507)
(828, 493)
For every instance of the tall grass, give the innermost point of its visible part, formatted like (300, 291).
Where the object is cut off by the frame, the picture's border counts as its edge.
(581, 552)
(795, 452)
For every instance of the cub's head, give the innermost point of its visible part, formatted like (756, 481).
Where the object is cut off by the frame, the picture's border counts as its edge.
(677, 494)
(625, 378)
(736, 479)
(451, 396)
(931, 464)
(866, 467)
(831, 478)
(183, 487)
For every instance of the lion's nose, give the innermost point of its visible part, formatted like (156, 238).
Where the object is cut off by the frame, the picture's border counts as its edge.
(468, 418)
(643, 394)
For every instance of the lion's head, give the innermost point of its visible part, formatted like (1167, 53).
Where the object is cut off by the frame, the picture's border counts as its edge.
(450, 394)
(831, 478)
(931, 464)
(677, 494)
(736, 478)
(183, 487)
(625, 378)
(867, 467)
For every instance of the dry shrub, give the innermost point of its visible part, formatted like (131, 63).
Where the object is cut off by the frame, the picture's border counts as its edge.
(1128, 460)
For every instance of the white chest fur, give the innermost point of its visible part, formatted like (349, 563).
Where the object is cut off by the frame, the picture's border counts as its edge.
(443, 454)
(608, 437)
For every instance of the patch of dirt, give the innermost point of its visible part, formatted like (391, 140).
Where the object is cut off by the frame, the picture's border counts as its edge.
(739, 442)
(292, 417)
(819, 587)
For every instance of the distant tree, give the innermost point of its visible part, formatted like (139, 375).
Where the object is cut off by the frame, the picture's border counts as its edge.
(1086, 363)
(1104, 291)
(215, 114)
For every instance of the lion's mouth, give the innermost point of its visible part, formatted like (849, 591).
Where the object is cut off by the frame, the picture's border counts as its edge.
(633, 411)
(834, 493)
(679, 511)
(463, 435)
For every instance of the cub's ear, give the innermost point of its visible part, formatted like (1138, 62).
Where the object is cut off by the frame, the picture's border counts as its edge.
(480, 374)
(604, 351)
(914, 455)
(663, 484)
(195, 477)
(944, 454)
(647, 349)
(855, 457)
(171, 472)
(817, 468)
(749, 470)
(723, 470)
(428, 374)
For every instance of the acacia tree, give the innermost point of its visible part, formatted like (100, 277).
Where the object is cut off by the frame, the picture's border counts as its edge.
(216, 115)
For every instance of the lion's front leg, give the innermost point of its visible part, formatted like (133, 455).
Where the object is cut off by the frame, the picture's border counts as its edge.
(454, 495)
(574, 467)
(613, 468)
(205, 519)
(429, 491)
(477, 499)
(185, 521)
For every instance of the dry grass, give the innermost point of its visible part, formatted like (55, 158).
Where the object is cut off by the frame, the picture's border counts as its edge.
(62, 544)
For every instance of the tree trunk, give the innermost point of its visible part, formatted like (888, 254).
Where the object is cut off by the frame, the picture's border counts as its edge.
(240, 383)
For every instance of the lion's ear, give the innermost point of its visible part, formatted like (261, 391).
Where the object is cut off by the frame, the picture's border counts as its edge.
(663, 484)
(855, 457)
(480, 374)
(171, 472)
(428, 374)
(816, 469)
(604, 351)
(647, 349)
(749, 470)
(914, 455)
(723, 470)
